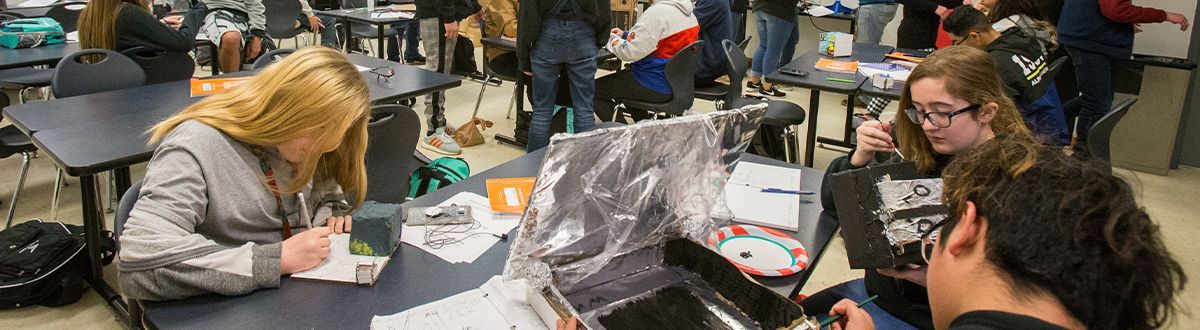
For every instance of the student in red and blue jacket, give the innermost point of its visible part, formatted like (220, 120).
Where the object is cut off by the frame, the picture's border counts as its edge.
(661, 31)
(1096, 32)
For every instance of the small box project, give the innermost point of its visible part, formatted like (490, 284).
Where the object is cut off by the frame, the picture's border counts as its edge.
(836, 44)
(376, 229)
(884, 211)
(612, 228)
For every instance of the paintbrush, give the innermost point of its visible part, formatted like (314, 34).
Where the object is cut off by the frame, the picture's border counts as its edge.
(834, 318)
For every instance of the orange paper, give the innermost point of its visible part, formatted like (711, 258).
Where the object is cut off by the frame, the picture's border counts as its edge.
(202, 87)
(847, 67)
(905, 57)
(509, 195)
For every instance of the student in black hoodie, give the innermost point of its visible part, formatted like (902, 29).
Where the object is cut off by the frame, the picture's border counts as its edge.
(919, 27)
(1023, 60)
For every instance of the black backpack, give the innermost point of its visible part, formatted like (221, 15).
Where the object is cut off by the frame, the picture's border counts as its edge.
(43, 263)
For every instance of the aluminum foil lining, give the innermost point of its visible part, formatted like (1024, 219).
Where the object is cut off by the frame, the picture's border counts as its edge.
(612, 191)
(903, 195)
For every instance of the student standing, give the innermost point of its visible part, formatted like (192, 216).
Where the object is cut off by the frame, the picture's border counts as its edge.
(556, 36)
(872, 16)
(439, 34)
(237, 27)
(919, 28)
(777, 38)
(220, 211)
(1097, 33)
(118, 25)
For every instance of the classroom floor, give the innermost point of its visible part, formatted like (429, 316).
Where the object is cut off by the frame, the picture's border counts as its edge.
(1169, 200)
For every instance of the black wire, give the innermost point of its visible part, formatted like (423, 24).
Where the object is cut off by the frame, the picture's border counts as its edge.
(813, 20)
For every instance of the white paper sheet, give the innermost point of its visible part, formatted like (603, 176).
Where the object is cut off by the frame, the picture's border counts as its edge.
(341, 265)
(393, 14)
(818, 11)
(744, 196)
(474, 309)
(473, 243)
(36, 3)
(73, 36)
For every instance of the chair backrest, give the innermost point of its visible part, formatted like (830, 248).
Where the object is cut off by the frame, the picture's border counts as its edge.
(1100, 134)
(393, 131)
(681, 76)
(108, 71)
(737, 69)
(123, 209)
(281, 18)
(160, 65)
(745, 42)
(67, 14)
(270, 57)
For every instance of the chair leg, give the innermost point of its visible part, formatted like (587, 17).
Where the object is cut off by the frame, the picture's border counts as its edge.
(789, 142)
(12, 207)
(112, 193)
(59, 182)
(512, 105)
(617, 111)
(482, 87)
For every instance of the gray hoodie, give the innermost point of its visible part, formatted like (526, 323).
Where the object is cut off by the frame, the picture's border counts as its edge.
(205, 222)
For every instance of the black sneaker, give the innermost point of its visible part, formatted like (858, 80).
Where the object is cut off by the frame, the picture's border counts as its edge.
(419, 60)
(753, 85)
(773, 92)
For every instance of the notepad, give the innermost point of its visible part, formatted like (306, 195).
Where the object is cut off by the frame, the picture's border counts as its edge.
(342, 266)
(509, 195)
(829, 65)
(497, 304)
(744, 196)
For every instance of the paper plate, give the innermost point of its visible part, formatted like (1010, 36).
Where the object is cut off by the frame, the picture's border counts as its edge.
(760, 251)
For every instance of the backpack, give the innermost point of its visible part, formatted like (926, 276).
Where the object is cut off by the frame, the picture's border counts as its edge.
(43, 263)
(439, 173)
(464, 57)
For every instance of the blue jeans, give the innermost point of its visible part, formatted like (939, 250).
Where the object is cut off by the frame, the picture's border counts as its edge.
(871, 20)
(329, 34)
(776, 43)
(568, 46)
(411, 32)
(1095, 91)
(820, 303)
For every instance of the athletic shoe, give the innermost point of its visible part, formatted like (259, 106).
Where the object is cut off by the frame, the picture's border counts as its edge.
(753, 85)
(419, 60)
(773, 92)
(441, 143)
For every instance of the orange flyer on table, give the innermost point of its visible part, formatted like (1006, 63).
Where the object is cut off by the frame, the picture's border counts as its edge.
(847, 67)
(203, 87)
(509, 195)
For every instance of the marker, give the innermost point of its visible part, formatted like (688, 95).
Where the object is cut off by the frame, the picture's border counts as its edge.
(834, 318)
(785, 191)
(848, 81)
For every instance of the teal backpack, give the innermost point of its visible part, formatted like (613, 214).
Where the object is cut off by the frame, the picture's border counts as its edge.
(439, 173)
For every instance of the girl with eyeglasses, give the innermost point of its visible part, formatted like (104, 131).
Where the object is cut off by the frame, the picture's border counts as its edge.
(952, 102)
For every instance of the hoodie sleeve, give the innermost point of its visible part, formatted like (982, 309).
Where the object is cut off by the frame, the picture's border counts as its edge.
(1123, 11)
(642, 39)
(603, 22)
(258, 17)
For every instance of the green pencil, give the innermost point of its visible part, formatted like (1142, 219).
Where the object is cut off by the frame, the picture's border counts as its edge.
(834, 318)
(848, 81)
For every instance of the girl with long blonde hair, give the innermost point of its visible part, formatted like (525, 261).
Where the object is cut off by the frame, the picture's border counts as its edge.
(222, 208)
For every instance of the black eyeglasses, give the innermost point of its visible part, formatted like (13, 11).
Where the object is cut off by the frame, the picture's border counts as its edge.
(383, 73)
(960, 41)
(939, 119)
(928, 240)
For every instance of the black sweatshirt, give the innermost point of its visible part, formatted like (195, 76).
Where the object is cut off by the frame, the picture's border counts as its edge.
(919, 28)
(785, 9)
(447, 10)
(138, 27)
(532, 12)
(995, 320)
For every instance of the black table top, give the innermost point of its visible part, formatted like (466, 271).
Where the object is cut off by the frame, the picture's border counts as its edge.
(23, 57)
(511, 45)
(98, 132)
(816, 79)
(362, 15)
(413, 277)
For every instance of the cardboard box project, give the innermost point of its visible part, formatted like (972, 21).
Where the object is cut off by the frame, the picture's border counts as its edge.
(836, 44)
(884, 211)
(610, 231)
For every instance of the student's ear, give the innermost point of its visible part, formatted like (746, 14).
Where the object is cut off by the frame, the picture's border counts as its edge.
(968, 232)
(988, 112)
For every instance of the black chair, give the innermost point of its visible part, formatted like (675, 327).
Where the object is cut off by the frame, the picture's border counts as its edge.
(121, 216)
(22, 79)
(394, 131)
(107, 71)
(270, 57)
(716, 93)
(67, 14)
(162, 66)
(681, 76)
(490, 73)
(1100, 134)
(779, 112)
(366, 31)
(14, 142)
(282, 21)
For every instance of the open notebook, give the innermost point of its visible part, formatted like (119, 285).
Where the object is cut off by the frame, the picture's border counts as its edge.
(745, 197)
(341, 266)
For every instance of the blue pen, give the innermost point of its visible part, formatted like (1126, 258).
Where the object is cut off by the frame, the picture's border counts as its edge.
(785, 191)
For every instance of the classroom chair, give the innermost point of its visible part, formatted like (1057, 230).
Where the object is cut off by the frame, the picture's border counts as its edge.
(14, 142)
(160, 65)
(67, 14)
(717, 92)
(270, 57)
(779, 112)
(393, 132)
(1100, 134)
(282, 21)
(23, 79)
(680, 71)
(122, 215)
(490, 73)
(362, 31)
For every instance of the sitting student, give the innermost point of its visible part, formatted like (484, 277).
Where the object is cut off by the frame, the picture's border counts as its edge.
(237, 27)
(661, 31)
(118, 25)
(322, 24)
(500, 20)
(716, 25)
(1022, 59)
(1031, 244)
(953, 101)
(219, 210)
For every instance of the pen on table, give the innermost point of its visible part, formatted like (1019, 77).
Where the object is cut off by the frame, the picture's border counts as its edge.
(834, 318)
(848, 81)
(786, 191)
(304, 210)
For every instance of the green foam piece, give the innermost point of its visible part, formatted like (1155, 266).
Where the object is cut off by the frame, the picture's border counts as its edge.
(376, 229)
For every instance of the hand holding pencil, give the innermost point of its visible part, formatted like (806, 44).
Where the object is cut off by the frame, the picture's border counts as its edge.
(848, 315)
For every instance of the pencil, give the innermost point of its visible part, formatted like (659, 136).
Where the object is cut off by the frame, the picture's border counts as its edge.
(848, 81)
(834, 318)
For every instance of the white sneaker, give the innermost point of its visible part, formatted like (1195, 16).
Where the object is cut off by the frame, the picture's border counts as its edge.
(441, 143)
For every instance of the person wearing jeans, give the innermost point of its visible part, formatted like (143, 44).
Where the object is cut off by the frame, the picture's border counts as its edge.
(319, 24)
(411, 32)
(872, 17)
(778, 34)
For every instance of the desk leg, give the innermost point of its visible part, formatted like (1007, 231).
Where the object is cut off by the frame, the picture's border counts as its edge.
(814, 106)
(93, 227)
(123, 180)
(214, 59)
(849, 130)
(382, 43)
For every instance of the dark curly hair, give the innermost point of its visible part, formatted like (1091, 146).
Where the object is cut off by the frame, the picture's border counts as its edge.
(1067, 227)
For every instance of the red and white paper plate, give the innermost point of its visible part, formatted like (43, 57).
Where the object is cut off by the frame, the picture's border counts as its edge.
(760, 251)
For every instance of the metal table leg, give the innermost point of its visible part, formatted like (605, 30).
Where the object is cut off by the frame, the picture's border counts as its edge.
(93, 226)
(814, 106)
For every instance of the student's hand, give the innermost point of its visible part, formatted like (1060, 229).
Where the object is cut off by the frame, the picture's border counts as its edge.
(573, 324)
(872, 137)
(304, 250)
(451, 30)
(314, 24)
(913, 273)
(254, 47)
(853, 318)
(527, 73)
(1178, 18)
(339, 225)
(173, 22)
(1137, 28)
(942, 12)
(617, 32)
